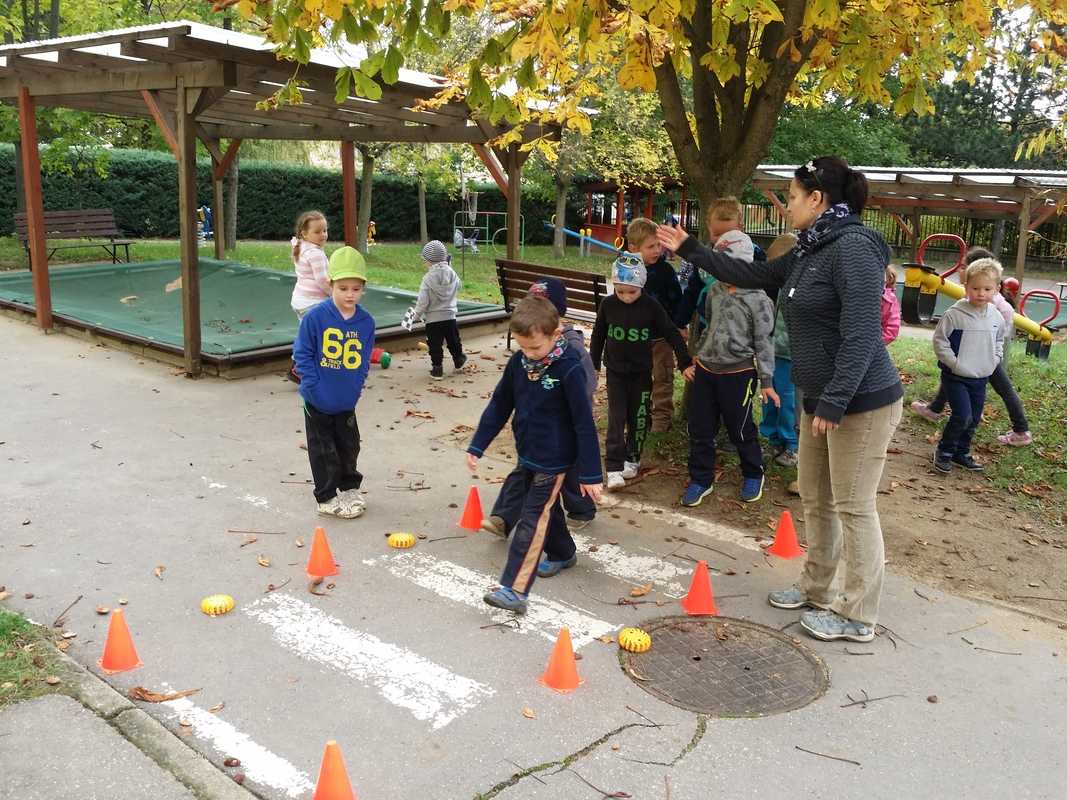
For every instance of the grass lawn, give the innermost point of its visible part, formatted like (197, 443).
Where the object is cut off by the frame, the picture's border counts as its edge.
(25, 659)
(390, 264)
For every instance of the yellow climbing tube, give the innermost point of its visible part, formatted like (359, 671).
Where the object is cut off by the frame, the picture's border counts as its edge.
(931, 282)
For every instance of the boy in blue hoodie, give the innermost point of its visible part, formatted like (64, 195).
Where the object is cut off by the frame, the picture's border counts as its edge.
(545, 386)
(332, 353)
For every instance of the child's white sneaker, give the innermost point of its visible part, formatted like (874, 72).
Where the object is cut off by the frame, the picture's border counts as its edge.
(630, 469)
(332, 507)
(353, 502)
(615, 480)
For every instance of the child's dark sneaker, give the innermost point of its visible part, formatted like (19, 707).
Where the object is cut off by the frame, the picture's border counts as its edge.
(942, 462)
(507, 599)
(967, 462)
(695, 493)
(460, 362)
(437, 372)
(547, 568)
(751, 489)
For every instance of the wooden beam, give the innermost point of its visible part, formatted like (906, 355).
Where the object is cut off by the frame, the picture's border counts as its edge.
(164, 120)
(31, 180)
(492, 163)
(187, 202)
(1046, 213)
(348, 193)
(194, 74)
(352, 133)
(224, 165)
(211, 145)
(1024, 230)
(217, 219)
(904, 226)
(775, 201)
(916, 232)
(514, 167)
(208, 98)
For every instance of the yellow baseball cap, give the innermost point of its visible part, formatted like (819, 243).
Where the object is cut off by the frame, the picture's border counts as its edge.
(347, 262)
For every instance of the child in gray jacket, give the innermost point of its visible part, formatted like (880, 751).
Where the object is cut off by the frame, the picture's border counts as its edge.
(437, 306)
(735, 352)
(969, 343)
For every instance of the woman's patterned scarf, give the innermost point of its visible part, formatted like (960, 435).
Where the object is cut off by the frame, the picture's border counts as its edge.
(808, 239)
(536, 369)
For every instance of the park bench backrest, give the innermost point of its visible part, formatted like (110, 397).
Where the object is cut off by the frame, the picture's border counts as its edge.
(585, 290)
(83, 223)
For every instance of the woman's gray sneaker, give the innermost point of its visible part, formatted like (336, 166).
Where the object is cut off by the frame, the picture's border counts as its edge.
(790, 598)
(830, 626)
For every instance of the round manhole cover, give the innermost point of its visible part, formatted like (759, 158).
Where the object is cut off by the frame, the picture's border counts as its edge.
(726, 667)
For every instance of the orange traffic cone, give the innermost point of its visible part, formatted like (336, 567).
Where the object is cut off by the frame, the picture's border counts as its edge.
(320, 560)
(700, 601)
(472, 512)
(785, 538)
(119, 652)
(562, 671)
(333, 777)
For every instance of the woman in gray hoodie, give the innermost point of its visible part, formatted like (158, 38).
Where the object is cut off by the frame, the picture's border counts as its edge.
(437, 306)
(830, 294)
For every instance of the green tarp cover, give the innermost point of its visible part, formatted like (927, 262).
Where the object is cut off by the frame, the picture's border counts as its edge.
(242, 308)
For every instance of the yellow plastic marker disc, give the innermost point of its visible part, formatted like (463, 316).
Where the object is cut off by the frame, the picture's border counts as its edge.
(217, 604)
(634, 640)
(401, 541)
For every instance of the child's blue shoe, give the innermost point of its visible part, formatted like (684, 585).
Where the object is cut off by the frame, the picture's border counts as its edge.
(547, 568)
(507, 599)
(694, 493)
(751, 489)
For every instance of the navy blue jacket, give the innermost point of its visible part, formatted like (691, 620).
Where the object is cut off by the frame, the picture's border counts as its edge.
(332, 356)
(677, 301)
(553, 420)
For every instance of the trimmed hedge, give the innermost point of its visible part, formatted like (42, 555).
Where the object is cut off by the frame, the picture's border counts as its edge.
(142, 188)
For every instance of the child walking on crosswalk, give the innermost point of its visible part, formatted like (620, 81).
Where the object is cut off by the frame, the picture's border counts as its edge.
(544, 392)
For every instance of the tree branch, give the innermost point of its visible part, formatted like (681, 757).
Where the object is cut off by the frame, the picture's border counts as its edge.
(676, 122)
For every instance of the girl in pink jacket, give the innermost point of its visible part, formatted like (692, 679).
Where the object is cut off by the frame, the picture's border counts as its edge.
(310, 262)
(890, 306)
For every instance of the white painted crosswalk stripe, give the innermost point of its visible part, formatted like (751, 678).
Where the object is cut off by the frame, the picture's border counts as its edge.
(458, 583)
(258, 763)
(430, 692)
(639, 570)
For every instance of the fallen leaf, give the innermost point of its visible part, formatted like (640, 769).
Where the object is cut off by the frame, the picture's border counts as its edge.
(263, 561)
(215, 709)
(123, 601)
(613, 541)
(606, 639)
(238, 777)
(51, 680)
(184, 722)
(4, 595)
(528, 713)
(232, 762)
(244, 321)
(173, 286)
(29, 595)
(636, 675)
(299, 542)
(69, 634)
(128, 299)
(641, 591)
(158, 571)
(421, 414)
(101, 610)
(148, 696)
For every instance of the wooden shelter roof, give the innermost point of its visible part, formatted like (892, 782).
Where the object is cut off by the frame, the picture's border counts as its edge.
(110, 72)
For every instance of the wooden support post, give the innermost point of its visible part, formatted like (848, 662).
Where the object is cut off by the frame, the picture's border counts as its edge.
(916, 233)
(683, 209)
(514, 167)
(620, 208)
(648, 204)
(185, 138)
(31, 180)
(217, 226)
(589, 207)
(1024, 230)
(348, 192)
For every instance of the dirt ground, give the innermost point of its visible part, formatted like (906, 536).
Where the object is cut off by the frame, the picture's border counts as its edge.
(954, 532)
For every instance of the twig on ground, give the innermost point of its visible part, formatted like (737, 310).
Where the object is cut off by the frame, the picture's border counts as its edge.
(863, 701)
(789, 624)
(445, 538)
(58, 623)
(642, 716)
(603, 794)
(886, 627)
(272, 588)
(967, 640)
(231, 438)
(824, 755)
(998, 652)
(706, 547)
(971, 628)
(263, 533)
(859, 653)
(505, 624)
(524, 770)
(1038, 597)
(923, 596)
(667, 785)
(302, 483)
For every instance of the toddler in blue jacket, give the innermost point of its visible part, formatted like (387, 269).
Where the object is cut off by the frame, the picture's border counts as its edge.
(332, 353)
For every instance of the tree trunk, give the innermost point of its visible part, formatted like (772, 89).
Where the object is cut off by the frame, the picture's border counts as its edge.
(559, 240)
(997, 244)
(424, 231)
(366, 189)
(229, 216)
(53, 20)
